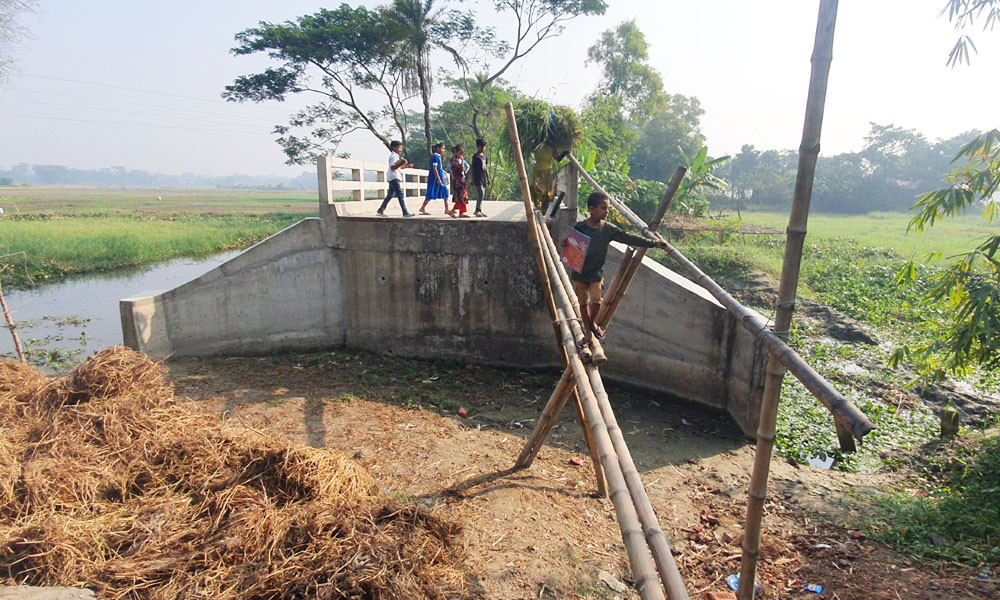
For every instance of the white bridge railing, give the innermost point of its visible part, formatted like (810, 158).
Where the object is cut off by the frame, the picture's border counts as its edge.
(367, 182)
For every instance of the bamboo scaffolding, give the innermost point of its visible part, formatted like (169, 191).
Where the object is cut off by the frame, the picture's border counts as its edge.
(842, 409)
(584, 353)
(655, 538)
(12, 326)
(557, 401)
(808, 153)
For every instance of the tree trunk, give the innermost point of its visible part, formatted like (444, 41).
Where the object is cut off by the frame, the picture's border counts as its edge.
(425, 96)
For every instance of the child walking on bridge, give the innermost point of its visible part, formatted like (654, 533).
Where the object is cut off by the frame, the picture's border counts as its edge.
(589, 282)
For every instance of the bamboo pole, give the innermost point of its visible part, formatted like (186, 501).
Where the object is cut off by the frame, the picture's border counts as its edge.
(556, 271)
(633, 256)
(808, 152)
(561, 277)
(658, 543)
(841, 408)
(529, 211)
(643, 572)
(12, 326)
(547, 420)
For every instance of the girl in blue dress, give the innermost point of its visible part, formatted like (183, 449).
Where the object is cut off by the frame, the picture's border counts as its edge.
(436, 186)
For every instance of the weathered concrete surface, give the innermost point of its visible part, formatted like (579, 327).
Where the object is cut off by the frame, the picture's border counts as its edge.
(463, 289)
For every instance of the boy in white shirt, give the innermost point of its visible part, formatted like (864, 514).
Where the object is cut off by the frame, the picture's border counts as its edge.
(392, 178)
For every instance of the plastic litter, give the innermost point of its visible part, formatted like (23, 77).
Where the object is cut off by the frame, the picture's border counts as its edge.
(814, 588)
(576, 460)
(823, 546)
(733, 581)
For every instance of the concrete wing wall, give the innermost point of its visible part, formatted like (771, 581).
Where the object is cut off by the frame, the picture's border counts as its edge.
(671, 335)
(282, 293)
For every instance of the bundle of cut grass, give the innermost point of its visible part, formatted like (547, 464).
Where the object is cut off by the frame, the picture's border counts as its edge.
(107, 481)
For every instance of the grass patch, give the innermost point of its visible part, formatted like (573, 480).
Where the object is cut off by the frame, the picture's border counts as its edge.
(55, 246)
(65, 200)
(957, 518)
(883, 230)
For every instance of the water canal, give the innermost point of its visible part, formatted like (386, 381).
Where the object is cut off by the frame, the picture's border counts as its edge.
(64, 322)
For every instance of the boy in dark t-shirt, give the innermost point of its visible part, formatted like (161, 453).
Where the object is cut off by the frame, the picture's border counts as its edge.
(589, 282)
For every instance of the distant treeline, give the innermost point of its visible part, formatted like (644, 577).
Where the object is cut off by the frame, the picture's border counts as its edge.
(27, 174)
(894, 167)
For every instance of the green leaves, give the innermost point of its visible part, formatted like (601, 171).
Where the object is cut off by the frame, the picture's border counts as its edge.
(967, 292)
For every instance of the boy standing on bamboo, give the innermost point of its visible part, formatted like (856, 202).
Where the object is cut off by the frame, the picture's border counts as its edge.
(589, 282)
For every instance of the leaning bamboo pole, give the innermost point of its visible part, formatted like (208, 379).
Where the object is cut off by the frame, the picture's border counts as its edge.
(522, 175)
(643, 571)
(658, 543)
(808, 153)
(12, 326)
(633, 256)
(834, 402)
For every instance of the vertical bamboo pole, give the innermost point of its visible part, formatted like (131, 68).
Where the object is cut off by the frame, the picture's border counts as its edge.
(808, 153)
(12, 326)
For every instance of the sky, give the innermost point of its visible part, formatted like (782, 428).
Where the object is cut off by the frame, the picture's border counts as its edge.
(137, 84)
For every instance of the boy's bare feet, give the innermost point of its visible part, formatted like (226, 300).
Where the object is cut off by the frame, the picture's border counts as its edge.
(463, 216)
(424, 212)
(598, 332)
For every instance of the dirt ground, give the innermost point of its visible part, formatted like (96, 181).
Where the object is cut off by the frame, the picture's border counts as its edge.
(542, 532)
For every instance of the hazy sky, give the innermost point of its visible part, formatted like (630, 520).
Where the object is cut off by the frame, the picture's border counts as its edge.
(748, 63)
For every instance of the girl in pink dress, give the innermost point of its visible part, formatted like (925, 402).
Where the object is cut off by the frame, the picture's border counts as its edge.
(460, 197)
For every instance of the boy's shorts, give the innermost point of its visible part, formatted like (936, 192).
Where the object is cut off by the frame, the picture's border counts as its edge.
(588, 292)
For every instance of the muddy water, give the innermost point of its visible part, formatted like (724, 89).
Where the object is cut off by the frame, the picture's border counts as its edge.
(61, 323)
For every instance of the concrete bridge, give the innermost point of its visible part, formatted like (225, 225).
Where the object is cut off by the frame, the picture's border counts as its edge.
(436, 287)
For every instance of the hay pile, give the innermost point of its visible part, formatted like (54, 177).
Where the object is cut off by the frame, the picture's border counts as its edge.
(106, 481)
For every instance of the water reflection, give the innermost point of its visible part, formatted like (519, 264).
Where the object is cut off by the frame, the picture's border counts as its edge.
(69, 320)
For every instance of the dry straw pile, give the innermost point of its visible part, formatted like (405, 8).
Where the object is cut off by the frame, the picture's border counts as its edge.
(107, 482)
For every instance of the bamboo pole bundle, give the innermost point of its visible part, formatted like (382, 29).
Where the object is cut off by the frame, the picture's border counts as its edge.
(567, 300)
(560, 275)
(643, 571)
(842, 409)
(808, 153)
(655, 537)
(658, 543)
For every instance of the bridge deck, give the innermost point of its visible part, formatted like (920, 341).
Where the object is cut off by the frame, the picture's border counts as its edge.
(365, 209)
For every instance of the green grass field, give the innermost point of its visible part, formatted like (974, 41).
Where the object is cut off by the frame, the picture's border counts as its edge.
(40, 249)
(76, 200)
(888, 230)
(49, 232)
